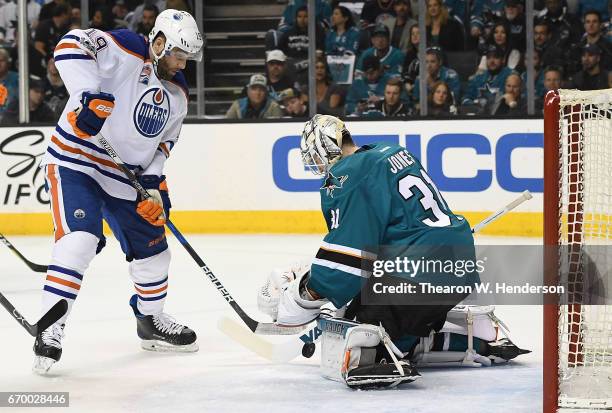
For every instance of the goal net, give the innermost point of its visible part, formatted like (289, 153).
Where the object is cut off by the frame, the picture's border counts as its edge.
(578, 217)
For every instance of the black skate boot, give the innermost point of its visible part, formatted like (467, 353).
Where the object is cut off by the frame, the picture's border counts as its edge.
(48, 348)
(162, 333)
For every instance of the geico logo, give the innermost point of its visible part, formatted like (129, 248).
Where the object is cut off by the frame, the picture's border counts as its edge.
(455, 161)
(104, 108)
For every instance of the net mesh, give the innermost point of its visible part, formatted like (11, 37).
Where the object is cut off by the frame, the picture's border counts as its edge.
(585, 330)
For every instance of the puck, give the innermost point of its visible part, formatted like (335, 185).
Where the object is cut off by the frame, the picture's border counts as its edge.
(308, 350)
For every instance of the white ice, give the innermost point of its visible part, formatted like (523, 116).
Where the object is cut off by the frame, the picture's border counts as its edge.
(105, 370)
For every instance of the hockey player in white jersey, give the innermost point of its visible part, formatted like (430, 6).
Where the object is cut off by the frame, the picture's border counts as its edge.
(132, 92)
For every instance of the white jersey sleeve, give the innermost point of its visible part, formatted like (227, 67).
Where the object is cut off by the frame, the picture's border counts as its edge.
(148, 114)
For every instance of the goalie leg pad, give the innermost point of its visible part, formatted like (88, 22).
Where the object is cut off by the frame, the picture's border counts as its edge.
(469, 338)
(348, 354)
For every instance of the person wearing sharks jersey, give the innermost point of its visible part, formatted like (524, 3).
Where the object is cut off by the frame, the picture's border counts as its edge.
(131, 91)
(379, 203)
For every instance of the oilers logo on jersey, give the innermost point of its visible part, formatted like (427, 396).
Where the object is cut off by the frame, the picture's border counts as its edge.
(152, 112)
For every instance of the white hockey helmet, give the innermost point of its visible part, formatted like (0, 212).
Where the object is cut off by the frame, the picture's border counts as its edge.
(181, 31)
(321, 142)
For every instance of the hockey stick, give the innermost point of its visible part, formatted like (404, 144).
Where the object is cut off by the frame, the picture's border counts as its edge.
(254, 326)
(55, 313)
(526, 195)
(33, 266)
(305, 343)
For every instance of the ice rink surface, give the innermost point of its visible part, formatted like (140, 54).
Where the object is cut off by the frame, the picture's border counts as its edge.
(105, 370)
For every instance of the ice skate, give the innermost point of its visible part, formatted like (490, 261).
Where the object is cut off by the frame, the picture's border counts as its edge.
(48, 348)
(162, 333)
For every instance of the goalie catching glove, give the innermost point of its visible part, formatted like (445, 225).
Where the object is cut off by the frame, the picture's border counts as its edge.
(155, 209)
(285, 298)
(87, 120)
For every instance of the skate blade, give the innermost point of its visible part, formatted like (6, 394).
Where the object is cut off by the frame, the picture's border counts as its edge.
(163, 347)
(42, 365)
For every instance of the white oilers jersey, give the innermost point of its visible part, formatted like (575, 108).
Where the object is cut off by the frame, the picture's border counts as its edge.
(147, 117)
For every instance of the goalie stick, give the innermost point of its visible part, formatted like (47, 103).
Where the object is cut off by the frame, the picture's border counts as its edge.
(304, 344)
(55, 313)
(33, 266)
(255, 326)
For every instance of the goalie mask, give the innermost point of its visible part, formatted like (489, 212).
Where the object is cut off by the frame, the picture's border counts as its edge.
(321, 142)
(183, 39)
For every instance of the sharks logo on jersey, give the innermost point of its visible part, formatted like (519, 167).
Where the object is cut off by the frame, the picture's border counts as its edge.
(332, 183)
(152, 112)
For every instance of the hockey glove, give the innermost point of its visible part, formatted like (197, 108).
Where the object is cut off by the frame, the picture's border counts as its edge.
(155, 209)
(88, 118)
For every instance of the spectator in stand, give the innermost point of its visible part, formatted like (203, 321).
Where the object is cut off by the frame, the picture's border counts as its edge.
(399, 26)
(440, 100)
(322, 7)
(442, 30)
(410, 68)
(102, 19)
(278, 76)
(391, 105)
(539, 74)
(550, 54)
(435, 72)
(8, 20)
(369, 89)
(294, 42)
(499, 37)
(390, 58)
(458, 9)
(375, 12)
(120, 12)
(135, 17)
(36, 62)
(329, 95)
(552, 81)
(593, 35)
(40, 112)
(483, 86)
(9, 82)
(149, 14)
(257, 104)
(601, 6)
(566, 29)
(510, 102)
(592, 76)
(49, 32)
(515, 21)
(56, 94)
(46, 11)
(179, 5)
(343, 36)
(484, 14)
(293, 106)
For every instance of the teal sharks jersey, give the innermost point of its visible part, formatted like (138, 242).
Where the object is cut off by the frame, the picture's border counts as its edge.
(379, 196)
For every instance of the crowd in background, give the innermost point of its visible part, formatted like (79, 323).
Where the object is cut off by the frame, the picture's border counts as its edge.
(48, 21)
(366, 55)
(475, 60)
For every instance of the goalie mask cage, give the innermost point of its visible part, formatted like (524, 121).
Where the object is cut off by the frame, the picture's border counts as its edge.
(577, 213)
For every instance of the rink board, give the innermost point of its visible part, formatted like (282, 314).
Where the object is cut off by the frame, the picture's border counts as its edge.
(248, 178)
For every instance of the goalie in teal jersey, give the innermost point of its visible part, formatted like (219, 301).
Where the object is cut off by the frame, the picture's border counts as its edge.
(380, 206)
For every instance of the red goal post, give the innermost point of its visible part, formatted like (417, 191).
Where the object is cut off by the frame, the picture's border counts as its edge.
(577, 213)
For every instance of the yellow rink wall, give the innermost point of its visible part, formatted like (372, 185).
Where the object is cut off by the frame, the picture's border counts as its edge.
(248, 178)
(527, 224)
